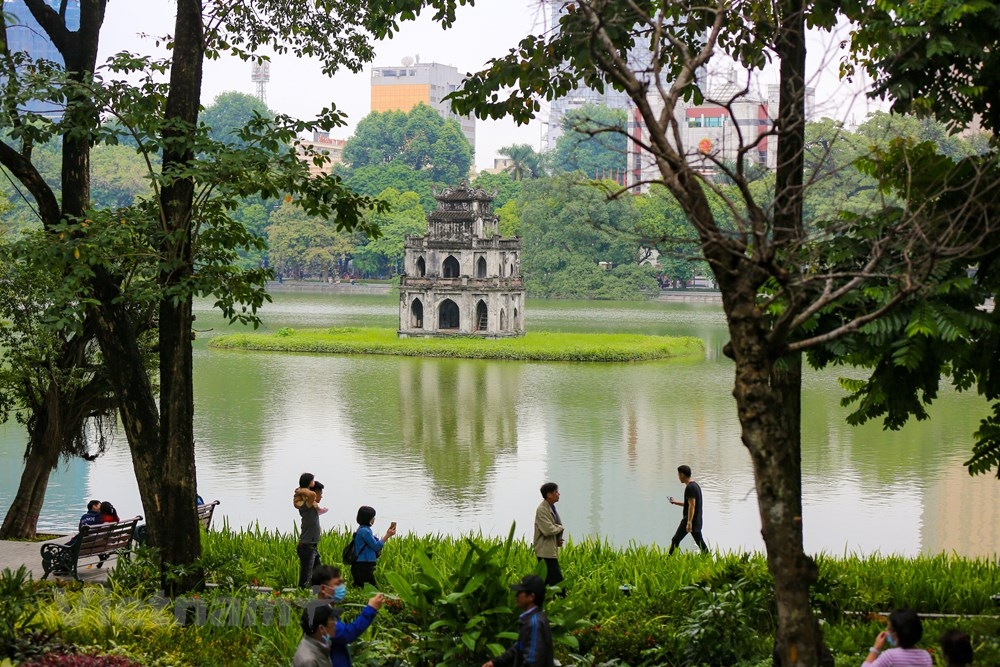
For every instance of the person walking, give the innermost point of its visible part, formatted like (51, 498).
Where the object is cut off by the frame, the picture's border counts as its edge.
(533, 647)
(367, 547)
(549, 533)
(692, 518)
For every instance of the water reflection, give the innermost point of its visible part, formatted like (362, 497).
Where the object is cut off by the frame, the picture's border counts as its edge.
(456, 445)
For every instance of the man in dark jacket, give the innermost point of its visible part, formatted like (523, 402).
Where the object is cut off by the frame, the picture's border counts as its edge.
(533, 647)
(93, 515)
(330, 587)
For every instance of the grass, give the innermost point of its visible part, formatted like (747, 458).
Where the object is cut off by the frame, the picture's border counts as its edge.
(540, 346)
(671, 597)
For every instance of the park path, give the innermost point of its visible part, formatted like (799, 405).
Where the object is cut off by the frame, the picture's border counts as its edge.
(15, 554)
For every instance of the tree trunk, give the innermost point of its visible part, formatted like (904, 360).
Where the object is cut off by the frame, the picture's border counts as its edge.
(44, 448)
(180, 540)
(768, 396)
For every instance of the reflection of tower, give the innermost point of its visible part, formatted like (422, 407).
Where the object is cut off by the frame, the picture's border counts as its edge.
(260, 74)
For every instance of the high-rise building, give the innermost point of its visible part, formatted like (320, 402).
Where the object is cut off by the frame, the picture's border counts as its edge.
(403, 87)
(25, 34)
(578, 98)
(730, 119)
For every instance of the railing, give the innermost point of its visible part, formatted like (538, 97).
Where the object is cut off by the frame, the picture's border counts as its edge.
(514, 282)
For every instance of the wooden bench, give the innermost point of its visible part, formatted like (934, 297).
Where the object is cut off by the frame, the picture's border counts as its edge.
(100, 541)
(205, 513)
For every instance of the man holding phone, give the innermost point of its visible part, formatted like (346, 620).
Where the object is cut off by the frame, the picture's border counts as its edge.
(691, 520)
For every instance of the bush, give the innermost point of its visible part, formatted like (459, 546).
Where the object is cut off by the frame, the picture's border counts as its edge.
(79, 660)
(21, 632)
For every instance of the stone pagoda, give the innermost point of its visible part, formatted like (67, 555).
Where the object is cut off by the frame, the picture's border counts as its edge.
(462, 278)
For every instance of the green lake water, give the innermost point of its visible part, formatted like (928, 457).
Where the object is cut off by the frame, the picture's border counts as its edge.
(452, 446)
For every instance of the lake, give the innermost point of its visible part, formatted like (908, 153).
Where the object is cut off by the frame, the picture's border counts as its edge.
(453, 446)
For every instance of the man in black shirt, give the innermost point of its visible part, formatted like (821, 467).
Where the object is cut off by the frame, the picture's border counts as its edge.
(691, 521)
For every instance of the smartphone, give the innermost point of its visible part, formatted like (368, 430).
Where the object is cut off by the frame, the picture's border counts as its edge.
(392, 526)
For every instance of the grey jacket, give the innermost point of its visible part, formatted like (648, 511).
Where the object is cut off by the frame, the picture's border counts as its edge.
(547, 532)
(311, 653)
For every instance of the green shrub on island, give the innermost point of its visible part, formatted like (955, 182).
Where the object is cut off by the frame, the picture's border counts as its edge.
(533, 346)
(676, 611)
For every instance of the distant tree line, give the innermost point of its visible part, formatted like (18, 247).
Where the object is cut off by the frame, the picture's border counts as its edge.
(577, 242)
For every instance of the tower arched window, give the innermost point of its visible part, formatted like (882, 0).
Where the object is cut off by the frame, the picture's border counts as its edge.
(417, 314)
(448, 315)
(450, 268)
(482, 318)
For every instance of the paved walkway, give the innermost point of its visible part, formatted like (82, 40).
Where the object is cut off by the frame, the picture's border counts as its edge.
(15, 554)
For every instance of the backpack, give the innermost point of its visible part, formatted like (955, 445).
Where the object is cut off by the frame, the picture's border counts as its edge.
(350, 555)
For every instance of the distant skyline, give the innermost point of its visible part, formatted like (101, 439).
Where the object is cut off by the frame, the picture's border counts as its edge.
(489, 29)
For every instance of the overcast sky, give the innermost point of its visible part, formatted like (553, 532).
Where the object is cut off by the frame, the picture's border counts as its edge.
(489, 29)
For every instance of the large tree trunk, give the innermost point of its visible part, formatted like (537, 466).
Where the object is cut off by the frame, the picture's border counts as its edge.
(768, 396)
(180, 539)
(44, 448)
(768, 387)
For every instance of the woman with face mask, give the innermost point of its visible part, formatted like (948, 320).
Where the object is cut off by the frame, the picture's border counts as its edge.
(330, 587)
(896, 645)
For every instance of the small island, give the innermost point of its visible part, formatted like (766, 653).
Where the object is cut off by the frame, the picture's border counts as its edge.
(533, 346)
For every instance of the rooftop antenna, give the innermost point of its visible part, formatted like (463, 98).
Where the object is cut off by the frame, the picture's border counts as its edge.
(260, 74)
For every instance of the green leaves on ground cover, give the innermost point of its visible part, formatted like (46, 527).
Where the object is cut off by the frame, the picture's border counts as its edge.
(543, 346)
(449, 595)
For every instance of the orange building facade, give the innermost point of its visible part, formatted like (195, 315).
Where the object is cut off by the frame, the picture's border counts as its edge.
(405, 86)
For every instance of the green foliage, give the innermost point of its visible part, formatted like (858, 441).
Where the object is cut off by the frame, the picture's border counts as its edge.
(300, 244)
(724, 625)
(949, 54)
(460, 613)
(532, 346)
(593, 142)
(373, 180)
(504, 184)
(419, 139)
(525, 161)
(673, 602)
(21, 631)
(229, 113)
(570, 227)
(384, 255)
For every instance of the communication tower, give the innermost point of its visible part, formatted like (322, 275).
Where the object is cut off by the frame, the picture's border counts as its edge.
(260, 74)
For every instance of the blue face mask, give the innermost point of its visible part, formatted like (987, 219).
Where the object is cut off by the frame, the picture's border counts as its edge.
(889, 639)
(327, 640)
(339, 592)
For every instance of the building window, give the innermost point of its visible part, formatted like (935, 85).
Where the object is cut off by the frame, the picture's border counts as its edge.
(482, 319)
(417, 314)
(450, 269)
(421, 267)
(448, 315)
(481, 268)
